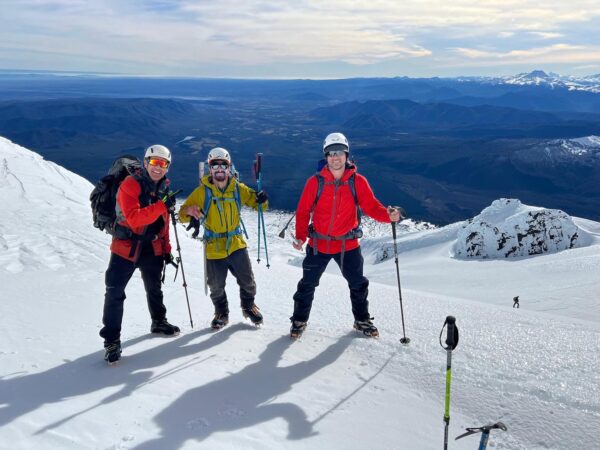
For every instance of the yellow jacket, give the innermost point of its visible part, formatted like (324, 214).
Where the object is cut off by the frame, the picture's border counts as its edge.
(223, 217)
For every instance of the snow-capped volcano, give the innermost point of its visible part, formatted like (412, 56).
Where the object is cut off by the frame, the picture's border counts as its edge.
(552, 80)
(536, 77)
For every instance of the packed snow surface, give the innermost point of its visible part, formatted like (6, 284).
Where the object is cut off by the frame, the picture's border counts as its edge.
(535, 368)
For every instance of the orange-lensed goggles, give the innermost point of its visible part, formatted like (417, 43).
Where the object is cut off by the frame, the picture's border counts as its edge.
(158, 162)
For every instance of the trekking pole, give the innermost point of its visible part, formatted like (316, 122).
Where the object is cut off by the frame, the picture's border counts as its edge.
(257, 176)
(404, 339)
(180, 263)
(261, 218)
(282, 232)
(451, 343)
(485, 433)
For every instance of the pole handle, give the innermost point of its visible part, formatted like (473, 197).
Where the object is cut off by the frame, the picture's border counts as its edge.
(452, 335)
(394, 230)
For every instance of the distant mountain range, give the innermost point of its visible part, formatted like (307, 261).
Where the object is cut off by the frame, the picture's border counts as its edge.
(442, 147)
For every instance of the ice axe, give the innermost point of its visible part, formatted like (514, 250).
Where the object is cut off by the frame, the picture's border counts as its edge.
(485, 433)
(282, 232)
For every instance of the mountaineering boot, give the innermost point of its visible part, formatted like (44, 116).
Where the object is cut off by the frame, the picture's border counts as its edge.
(253, 314)
(219, 321)
(297, 329)
(367, 327)
(112, 352)
(163, 327)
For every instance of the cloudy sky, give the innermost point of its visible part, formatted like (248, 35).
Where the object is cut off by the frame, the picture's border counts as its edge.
(301, 38)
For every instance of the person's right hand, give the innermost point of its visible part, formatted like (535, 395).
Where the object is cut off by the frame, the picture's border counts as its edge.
(298, 244)
(194, 211)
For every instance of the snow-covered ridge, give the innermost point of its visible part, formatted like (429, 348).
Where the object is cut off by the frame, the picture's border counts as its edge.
(507, 228)
(46, 216)
(583, 151)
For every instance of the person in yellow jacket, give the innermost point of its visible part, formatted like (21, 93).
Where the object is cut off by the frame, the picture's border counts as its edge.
(225, 246)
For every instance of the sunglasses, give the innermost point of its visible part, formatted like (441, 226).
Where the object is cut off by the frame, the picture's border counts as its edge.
(216, 165)
(158, 162)
(335, 153)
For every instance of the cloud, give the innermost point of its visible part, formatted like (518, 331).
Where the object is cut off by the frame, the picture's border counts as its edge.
(184, 36)
(546, 34)
(518, 54)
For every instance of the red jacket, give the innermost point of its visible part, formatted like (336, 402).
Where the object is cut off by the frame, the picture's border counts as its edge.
(138, 218)
(335, 212)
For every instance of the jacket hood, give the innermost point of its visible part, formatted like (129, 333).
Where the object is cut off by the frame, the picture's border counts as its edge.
(328, 176)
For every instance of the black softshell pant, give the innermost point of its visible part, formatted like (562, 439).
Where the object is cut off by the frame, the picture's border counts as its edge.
(313, 267)
(238, 263)
(117, 276)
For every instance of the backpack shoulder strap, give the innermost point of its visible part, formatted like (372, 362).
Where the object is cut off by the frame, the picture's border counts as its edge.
(351, 184)
(207, 200)
(236, 196)
(321, 183)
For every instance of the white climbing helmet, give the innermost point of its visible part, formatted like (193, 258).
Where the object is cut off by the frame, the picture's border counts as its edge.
(338, 140)
(218, 153)
(159, 151)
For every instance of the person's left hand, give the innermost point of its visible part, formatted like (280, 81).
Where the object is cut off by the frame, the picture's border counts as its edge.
(396, 213)
(261, 197)
(195, 224)
(169, 259)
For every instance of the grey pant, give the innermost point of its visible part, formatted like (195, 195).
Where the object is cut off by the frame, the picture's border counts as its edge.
(239, 265)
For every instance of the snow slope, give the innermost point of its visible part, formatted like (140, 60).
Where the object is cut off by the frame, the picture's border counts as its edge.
(535, 368)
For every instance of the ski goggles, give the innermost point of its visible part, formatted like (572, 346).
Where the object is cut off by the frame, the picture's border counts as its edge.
(216, 165)
(335, 150)
(158, 163)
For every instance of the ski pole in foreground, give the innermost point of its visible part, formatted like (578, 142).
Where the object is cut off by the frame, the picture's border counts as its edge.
(451, 343)
(282, 232)
(485, 433)
(404, 339)
(180, 263)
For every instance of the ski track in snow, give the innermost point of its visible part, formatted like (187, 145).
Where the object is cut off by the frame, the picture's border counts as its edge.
(243, 387)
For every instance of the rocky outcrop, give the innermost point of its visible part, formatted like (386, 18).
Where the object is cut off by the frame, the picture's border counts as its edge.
(507, 228)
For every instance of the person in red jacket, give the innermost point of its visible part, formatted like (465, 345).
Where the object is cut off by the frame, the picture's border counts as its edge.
(333, 197)
(141, 242)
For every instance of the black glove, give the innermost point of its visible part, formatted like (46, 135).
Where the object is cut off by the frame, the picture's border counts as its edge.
(169, 200)
(261, 197)
(169, 259)
(195, 224)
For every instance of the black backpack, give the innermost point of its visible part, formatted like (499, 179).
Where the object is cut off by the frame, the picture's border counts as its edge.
(104, 196)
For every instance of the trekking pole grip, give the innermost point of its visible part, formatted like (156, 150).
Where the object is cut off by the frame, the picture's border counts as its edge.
(452, 334)
(394, 230)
